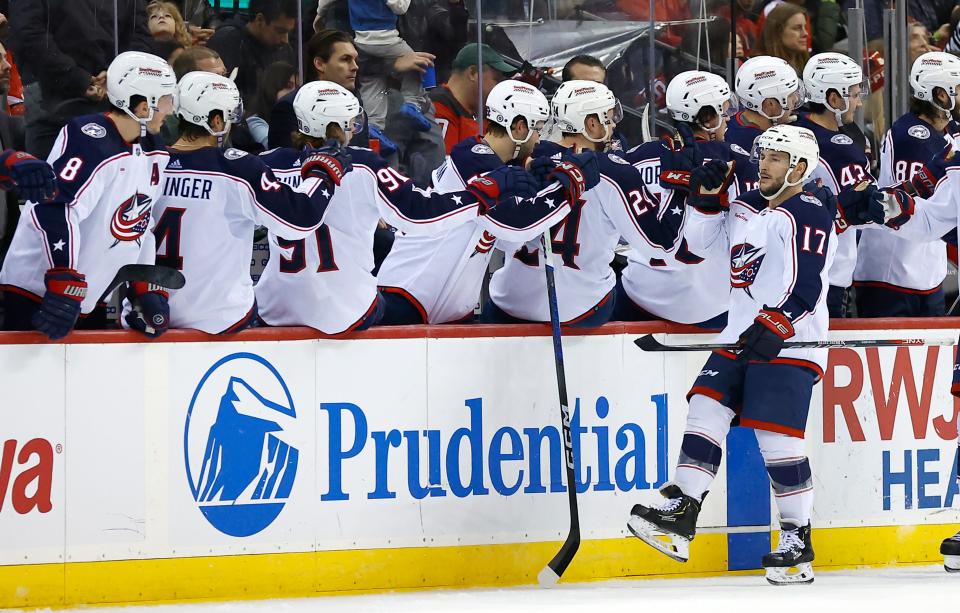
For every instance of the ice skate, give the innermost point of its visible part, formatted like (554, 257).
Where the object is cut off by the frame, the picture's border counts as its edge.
(790, 562)
(950, 548)
(670, 527)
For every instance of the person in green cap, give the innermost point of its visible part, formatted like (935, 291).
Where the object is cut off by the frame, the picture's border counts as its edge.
(456, 100)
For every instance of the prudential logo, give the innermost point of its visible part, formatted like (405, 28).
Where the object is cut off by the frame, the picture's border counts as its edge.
(240, 460)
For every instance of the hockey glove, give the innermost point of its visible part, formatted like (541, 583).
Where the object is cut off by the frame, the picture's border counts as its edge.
(709, 185)
(60, 306)
(150, 311)
(329, 162)
(898, 207)
(678, 158)
(33, 178)
(577, 173)
(541, 168)
(500, 184)
(859, 206)
(822, 193)
(764, 339)
(924, 181)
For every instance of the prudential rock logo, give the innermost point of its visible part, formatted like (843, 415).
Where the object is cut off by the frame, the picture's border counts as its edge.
(241, 462)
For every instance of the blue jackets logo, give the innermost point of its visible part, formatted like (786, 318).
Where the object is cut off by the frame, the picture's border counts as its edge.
(239, 459)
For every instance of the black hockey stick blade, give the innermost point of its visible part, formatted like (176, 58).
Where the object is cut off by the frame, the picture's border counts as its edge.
(164, 276)
(649, 343)
(552, 572)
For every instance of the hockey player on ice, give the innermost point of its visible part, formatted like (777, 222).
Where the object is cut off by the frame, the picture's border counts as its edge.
(212, 199)
(683, 286)
(325, 280)
(897, 277)
(781, 247)
(437, 279)
(67, 250)
(619, 205)
(770, 92)
(834, 85)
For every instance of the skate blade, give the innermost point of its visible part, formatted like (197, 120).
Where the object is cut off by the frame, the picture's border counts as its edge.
(671, 545)
(951, 564)
(792, 575)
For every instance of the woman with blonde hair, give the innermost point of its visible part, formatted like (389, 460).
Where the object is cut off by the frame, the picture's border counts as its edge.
(784, 35)
(166, 23)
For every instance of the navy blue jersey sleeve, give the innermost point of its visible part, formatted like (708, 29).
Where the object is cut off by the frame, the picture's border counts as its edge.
(289, 213)
(471, 158)
(805, 228)
(634, 209)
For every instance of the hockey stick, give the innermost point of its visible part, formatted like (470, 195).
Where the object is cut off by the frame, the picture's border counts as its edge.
(551, 573)
(648, 343)
(164, 276)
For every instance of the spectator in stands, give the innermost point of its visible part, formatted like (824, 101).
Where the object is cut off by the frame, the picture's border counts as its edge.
(438, 27)
(935, 15)
(374, 23)
(918, 41)
(784, 35)
(251, 47)
(329, 56)
(822, 21)
(67, 47)
(166, 23)
(585, 68)
(11, 137)
(195, 58)
(200, 18)
(457, 100)
(13, 104)
(278, 80)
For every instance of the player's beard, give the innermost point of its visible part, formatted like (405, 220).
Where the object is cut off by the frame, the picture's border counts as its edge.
(769, 193)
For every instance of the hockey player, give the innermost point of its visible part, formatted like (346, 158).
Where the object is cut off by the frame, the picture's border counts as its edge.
(897, 277)
(781, 247)
(212, 199)
(834, 85)
(438, 279)
(325, 280)
(682, 286)
(620, 205)
(66, 251)
(770, 92)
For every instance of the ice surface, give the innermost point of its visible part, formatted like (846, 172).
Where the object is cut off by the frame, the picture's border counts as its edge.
(916, 589)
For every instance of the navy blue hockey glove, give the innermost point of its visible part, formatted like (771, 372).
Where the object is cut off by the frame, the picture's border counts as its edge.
(764, 339)
(821, 192)
(709, 185)
(858, 206)
(500, 184)
(577, 173)
(33, 178)
(924, 181)
(541, 168)
(329, 162)
(60, 306)
(678, 158)
(150, 312)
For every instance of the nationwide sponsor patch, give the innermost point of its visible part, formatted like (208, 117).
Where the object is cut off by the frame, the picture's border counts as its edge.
(94, 130)
(841, 139)
(481, 149)
(234, 154)
(919, 132)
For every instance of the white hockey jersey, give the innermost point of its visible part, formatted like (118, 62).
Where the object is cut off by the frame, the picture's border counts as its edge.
(444, 273)
(211, 203)
(325, 281)
(683, 286)
(779, 258)
(99, 220)
(620, 205)
(843, 164)
(885, 259)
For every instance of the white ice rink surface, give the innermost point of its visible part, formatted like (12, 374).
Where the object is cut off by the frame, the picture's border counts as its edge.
(916, 589)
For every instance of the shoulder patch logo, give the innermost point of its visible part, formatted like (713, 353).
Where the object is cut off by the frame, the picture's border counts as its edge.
(234, 154)
(841, 139)
(918, 131)
(616, 159)
(810, 199)
(481, 149)
(738, 149)
(94, 130)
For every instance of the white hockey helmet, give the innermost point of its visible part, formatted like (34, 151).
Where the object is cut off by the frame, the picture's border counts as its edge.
(134, 73)
(693, 90)
(201, 93)
(932, 70)
(764, 77)
(826, 71)
(799, 143)
(320, 103)
(511, 99)
(576, 100)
